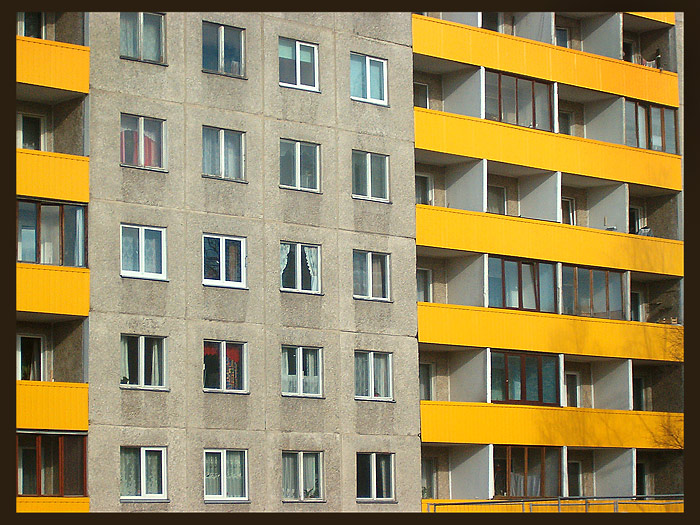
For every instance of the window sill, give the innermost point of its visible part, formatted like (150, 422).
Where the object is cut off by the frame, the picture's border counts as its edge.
(216, 177)
(145, 168)
(148, 388)
(376, 399)
(372, 299)
(145, 277)
(304, 501)
(307, 190)
(225, 501)
(224, 74)
(385, 501)
(304, 292)
(222, 285)
(134, 59)
(370, 101)
(303, 396)
(300, 87)
(371, 199)
(234, 392)
(128, 499)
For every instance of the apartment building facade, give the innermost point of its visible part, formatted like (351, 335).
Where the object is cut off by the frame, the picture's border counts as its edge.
(220, 217)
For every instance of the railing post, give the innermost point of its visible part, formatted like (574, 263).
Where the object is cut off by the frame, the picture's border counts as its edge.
(559, 504)
(586, 501)
(615, 506)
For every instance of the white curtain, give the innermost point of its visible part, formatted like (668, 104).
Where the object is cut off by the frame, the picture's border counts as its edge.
(153, 260)
(155, 355)
(311, 376)
(289, 370)
(311, 253)
(381, 375)
(212, 474)
(312, 482)
(128, 34)
(516, 484)
(533, 483)
(359, 273)
(130, 465)
(125, 360)
(232, 155)
(154, 472)
(152, 37)
(79, 256)
(50, 217)
(384, 488)
(210, 151)
(290, 480)
(361, 374)
(379, 276)
(284, 254)
(235, 473)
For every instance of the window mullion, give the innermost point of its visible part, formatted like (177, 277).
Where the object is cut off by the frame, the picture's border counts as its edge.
(221, 42)
(60, 466)
(373, 473)
(142, 454)
(367, 79)
(139, 35)
(39, 481)
(37, 241)
(61, 233)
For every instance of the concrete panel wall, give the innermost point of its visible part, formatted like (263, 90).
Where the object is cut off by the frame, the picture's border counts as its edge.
(465, 185)
(465, 280)
(612, 384)
(468, 376)
(604, 120)
(535, 26)
(540, 196)
(471, 468)
(467, 18)
(461, 92)
(608, 208)
(602, 35)
(614, 472)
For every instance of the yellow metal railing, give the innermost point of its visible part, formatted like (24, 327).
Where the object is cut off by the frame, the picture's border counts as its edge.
(53, 64)
(660, 504)
(52, 405)
(53, 175)
(48, 504)
(53, 289)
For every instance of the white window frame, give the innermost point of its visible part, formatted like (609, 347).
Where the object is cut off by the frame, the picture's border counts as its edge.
(142, 363)
(297, 166)
(21, 22)
(45, 356)
(370, 376)
(222, 153)
(427, 95)
(139, 28)
(297, 278)
(641, 303)
(222, 270)
(368, 269)
(20, 130)
(142, 474)
(300, 376)
(429, 282)
(222, 367)
(222, 454)
(368, 177)
(373, 476)
(580, 476)
(221, 42)
(431, 368)
(578, 387)
(140, 146)
(572, 208)
(430, 187)
(641, 217)
(383, 61)
(300, 475)
(297, 65)
(142, 253)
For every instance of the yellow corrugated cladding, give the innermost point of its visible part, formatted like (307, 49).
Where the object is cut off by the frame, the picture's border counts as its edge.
(53, 289)
(449, 324)
(597, 505)
(521, 56)
(485, 139)
(46, 504)
(454, 422)
(502, 235)
(52, 406)
(666, 18)
(53, 175)
(53, 64)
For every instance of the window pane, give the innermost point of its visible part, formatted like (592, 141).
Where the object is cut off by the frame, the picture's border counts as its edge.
(364, 476)
(152, 38)
(491, 88)
(312, 475)
(211, 164)
(234, 266)
(310, 268)
(212, 474)
(290, 384)
(534, 472)
(50, 236)
(489, 21)
(423, 285)
(359, 173)
(427, 471)
(529, 286)
(550, 379)
(379, 179)
(50, 474)
(574, 477)
(525, 112)
(233, 44)
(26, 464)
(615, 294)
(287, 163)
(130, 360)
(32, 25)
(307, 166)
(311, 371)
(288, 264)
(234, 366)
(73, 466)
(495, 282)
(425, 381)
(359, 273)
(511, 283)
(130, 466)
(630, 124)
(600, 307)
(379, 276)
(129, 35)
(153, 361)
(376, 79)
(153, 251)
(210, 47)
(362, 374)
(358, 78)
(26, 232)
(517, 471)
(500, 471)
(514, 385)
(153, 143)
(212, 365)
(73, 235)
(670, 130)
(566, 211)
(498, 376)
(130, 140)
(235, 474)
(496, 199)
(562, 35)
(542, 107)
(565, 123)
(572, 390)
(30, 359)
(584, 291)
(154, 472)
(567, 290)
(637, 393)
(307, 65)
(211, 258)
(31, 132)
(551, 472)
(420, 95)
(287, 61)
(422, 190)
(547, 289)
(532, 379)
(383, 478)
(508, 99)
(381, 375)
(304, 269)
(290, 475)
(656, 141)
(642, 126)
(233, 155)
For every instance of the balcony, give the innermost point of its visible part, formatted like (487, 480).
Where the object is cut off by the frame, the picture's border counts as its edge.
(606, 505)
(48, 289)
(666, 18)
(477, 138)
(53, 175)
(52, 406)
(447, 324)
(542, 240)
(453, 422)
(481, 47)
(47, 504)
(51, 72)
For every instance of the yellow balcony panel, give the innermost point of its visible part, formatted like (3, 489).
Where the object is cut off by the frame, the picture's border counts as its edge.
(521, 56)
(48, 405)
(543, 240)
(592, 505)
(483, 423)
(54, 65)
(48, 289)
(448, 324)
(486, 139)
(49, 504)
(666, 18)
(53, 175)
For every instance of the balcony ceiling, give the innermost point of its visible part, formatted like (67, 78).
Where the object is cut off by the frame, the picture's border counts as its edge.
(44, 95)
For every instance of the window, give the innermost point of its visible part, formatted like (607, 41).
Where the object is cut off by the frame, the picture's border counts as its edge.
(424, 189)
(142, 142)
(637, 307)
(141, 37)
(636, 219)
(565, 119)
(526, 285)
(568, 211)
(368, 79)
(496, 199)
(428, 474)
(638, 393)
(573, 469)
(525, 472)
(490, 21)
(31, 25)
(641, 479)
(375, 476)
(143, 361)
(222, 49)
(222, 153)
(519, 101)
(301, 476)
(299, 165)
(301, 371)
(30, 132)
(51, 465)
(51, 233)
(225, 475)
(591, 292)
(370, 175)
(370, 275)
(521, 378)
(651, 127)
(300, 267)
(298, 64)
(424, 282)
(373, 375)
(224, 261)
(425, 379)
(32, 359)
(420, 95)
(225, 366)
(573, 388)
(143, 473)
(562, 35)
(143, 252)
